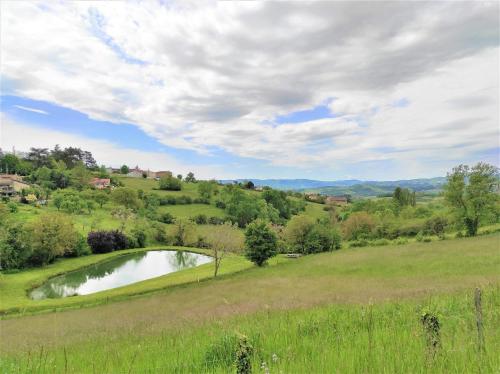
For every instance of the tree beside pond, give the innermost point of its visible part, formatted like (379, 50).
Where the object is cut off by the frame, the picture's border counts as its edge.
(261, 243)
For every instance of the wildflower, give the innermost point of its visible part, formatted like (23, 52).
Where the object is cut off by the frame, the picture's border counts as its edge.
(275, 357)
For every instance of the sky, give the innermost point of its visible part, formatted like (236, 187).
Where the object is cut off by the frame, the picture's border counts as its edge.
(319, 90)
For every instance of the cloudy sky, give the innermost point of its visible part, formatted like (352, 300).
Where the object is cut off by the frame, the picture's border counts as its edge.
(323, 90)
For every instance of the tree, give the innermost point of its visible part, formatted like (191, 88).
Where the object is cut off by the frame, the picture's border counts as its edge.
(190, 178)
(297, 231)
(170, 183)
(206, 189)
(278, 200)
(183, 231)
(9, 164)
(51, 235)
(80, 176)
(471, 192)
(261, 242)
(123, 215)
(39, 157)
(222, 239)
(124, 169)
(358, 225)
(126, 196)
(179, 177)
(100, 197)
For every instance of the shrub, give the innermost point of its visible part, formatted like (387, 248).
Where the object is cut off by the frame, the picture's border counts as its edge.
(200, 219)
(12, 207)
(380, 242)
(358, 243)
(200, 200)
(216, 220)
(261, 242)
(411, 228)
(359, 224)
(170, 183)
(106, 241)
(139, 236)
(436, 225)
(220, 204)
(15, 249)
(166, 218)
(81, 248)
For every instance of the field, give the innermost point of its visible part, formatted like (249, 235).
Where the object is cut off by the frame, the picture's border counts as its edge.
(355, 310)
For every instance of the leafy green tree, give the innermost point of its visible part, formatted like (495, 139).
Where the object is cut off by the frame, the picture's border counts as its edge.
(206, 189)
(80, 176)
(103, 172)
(39, 157)
(100, 197)
(15, 248)
(170, 183)
(50, 236)
(297, 231)
(190, 178)
(124, 169)
(127, 197)
(261, 243)
(179, 177)
(9, 164)
(278, 200)
(472, 193)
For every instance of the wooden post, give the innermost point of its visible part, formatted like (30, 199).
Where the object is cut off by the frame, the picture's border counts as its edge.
(479, 319)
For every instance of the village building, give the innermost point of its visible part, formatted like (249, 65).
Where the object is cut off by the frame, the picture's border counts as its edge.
(11, 185)
(336, 200)
(136, 172)
(101, 183)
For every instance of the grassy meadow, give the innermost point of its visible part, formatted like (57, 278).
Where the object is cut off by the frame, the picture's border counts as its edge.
(354, 310)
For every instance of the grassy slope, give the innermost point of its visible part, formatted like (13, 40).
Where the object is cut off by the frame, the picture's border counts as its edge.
(14, 287)
(347, 276)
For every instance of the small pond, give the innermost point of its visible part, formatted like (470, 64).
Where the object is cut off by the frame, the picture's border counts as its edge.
(118, 272)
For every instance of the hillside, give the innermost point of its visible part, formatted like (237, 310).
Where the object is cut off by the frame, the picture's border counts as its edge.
(353, 187)
(398, 281)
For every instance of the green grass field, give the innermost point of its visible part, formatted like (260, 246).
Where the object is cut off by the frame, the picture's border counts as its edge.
(354, 310)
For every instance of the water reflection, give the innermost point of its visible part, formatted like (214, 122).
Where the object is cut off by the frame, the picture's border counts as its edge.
(120, 271)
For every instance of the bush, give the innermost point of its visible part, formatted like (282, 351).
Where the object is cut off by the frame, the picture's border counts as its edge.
(220, 204)
(436, 225)
(81, 248)
(358, 243)
(200, 200)
(200, 219)
(358, 225)
(12, 207)
(106, 241)
(380, 242)
(14, 248)
(139, 237)
(166, 218)
(216, 220)
(261, 242)
(170, 183)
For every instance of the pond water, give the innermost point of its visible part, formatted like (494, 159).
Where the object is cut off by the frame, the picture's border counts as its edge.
(118, 272)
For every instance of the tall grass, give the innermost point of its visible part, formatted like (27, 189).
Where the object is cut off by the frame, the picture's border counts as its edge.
(346, 339)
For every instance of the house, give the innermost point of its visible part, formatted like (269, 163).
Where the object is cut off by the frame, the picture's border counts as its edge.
(161, 174)
(336, 200)
(101, 183)
(11, 185)
(136, 172)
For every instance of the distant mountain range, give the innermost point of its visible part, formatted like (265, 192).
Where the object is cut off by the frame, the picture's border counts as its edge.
(354, 187)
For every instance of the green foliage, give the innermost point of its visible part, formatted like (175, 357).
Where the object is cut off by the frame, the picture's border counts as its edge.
(15, 249)
(127, 197)
(50, 236)
(279, 200)
(190, 178)
(183, 232)
(69, 201)
(404, 197)
(471, 192)
(244, 356)
(170, 183)
(206, 189)
(124, 169)
(261, 243)
(80, 176)
(12, 207)
(166, 218)
(358, 225)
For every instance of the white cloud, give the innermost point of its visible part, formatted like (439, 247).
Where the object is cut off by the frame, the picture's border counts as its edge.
(217, 74)
(22, 137)
(34, 110)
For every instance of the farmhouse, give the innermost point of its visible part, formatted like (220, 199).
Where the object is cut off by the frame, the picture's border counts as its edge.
(336, 200)
(161, 174)
(11, 185)
(101, 183)
(136, 172)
